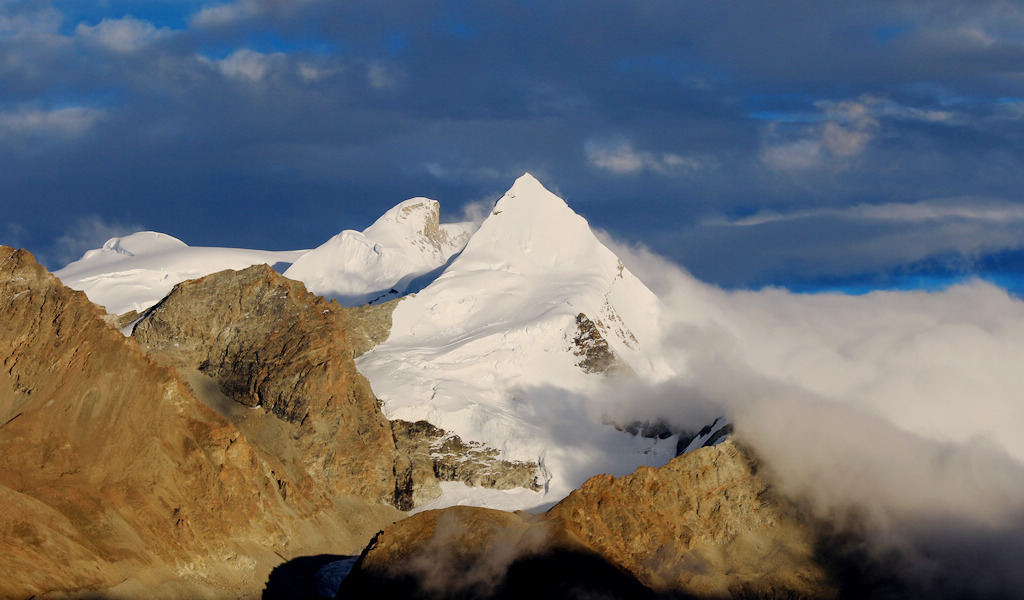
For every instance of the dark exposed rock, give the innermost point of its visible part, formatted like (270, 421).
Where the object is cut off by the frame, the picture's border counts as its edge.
(712, 435)
(592, 348)
(653, 429)
(705, 524)
(439, 456)
(122, 320)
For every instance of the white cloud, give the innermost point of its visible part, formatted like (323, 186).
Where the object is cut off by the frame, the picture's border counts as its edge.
(440, 171)
(896, 412)
(619, 157)
(44, 21)
(843, 133)
(381, 77)
(67, 122)
(800, 155)
(965, 209)
(311, 73)
(876, 238)
(244, 65)
(225, 14)
(124, 35)
(838, 133)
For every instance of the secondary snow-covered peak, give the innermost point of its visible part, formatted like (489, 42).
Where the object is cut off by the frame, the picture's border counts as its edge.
(415, 222)
(405, 243)
(137, 244)
(134, 272)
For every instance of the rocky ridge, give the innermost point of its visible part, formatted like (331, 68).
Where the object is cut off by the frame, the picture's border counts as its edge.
(270, 345)
(436, 456)
(705, 525)
(113, 472)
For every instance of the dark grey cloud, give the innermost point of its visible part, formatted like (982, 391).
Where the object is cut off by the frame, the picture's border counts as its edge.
(295, 120)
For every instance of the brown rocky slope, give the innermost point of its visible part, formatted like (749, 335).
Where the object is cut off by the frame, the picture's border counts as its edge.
(261, 341)
(706, 525)
(113, 473)
(274, 347)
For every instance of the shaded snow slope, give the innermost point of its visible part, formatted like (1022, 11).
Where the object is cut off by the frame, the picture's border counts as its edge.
(135, 271)
(490, 350)
(382, 261)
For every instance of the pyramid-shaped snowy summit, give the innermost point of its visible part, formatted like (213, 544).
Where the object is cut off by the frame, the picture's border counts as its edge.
(509, 322)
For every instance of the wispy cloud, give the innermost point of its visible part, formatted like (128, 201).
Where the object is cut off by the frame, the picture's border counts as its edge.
(30, 121)
(618, 156)
(843, 133)
(126, 34)
(245, 65)
(966, 209)
(87, 233)
(231, 12)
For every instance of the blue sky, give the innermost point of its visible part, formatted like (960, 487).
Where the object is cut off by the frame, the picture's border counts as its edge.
(839, 145)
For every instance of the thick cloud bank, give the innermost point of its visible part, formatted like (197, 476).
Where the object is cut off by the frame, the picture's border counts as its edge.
(894, 415)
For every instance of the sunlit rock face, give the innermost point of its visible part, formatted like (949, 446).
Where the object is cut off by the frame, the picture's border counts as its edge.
(705, 525)
(113, 472)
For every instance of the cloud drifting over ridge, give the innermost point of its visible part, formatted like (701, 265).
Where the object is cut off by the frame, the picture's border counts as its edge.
(894, 414)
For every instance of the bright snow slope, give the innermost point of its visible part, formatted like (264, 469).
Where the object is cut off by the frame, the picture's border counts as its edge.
(382, 262)
(136, 271)
(487, 349)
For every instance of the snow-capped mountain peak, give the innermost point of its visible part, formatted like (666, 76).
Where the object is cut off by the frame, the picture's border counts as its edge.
(530, 230)
(134, 272)
(513, 326)
(533, 311)
(136, 244)
(415, 223)
(381, 262)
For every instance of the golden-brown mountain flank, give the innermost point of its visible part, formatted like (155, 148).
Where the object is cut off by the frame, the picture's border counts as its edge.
(706, 525)
(276, 348)
(112, 472)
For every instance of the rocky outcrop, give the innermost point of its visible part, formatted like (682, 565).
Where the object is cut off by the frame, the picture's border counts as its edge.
(369, 325)
(468, 552)
(273, 346)
(590, 345)
(704, 525)
(270, 345)
(113, 472)
(592, 349)
(437, 456)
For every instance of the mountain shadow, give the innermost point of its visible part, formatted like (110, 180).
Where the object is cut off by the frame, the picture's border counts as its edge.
(308, 577)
